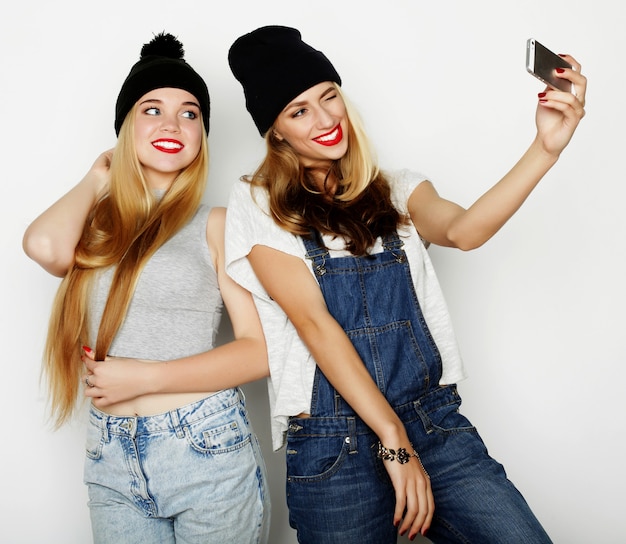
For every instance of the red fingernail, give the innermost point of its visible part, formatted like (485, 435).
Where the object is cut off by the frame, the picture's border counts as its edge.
(541, 95)
(87, 349)
(560, 70)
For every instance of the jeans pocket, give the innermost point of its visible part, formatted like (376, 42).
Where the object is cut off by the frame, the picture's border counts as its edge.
(218, 435)
(94, 442)
(447, 419)
(313, 459)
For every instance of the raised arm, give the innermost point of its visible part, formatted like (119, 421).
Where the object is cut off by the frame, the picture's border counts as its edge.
(237, 362)
(51, 239)
(444, 223)
(290, 283)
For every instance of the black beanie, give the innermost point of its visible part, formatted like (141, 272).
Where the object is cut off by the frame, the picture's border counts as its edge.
(161, 65)
(274, 65)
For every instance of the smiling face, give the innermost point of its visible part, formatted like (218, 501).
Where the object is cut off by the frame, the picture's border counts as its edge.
(315, 125)
(168, 134)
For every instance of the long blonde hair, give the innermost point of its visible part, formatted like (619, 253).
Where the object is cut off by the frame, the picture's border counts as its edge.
(124, 229)
(361, 208)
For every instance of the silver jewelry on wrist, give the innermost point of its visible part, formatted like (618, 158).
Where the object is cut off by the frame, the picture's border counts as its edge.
(400, 455)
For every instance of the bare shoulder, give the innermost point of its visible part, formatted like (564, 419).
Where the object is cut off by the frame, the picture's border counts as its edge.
(217, 214)
(215, 229)
(216, 220)
(424, 189)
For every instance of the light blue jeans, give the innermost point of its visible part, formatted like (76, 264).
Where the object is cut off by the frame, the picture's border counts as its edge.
(192, 475)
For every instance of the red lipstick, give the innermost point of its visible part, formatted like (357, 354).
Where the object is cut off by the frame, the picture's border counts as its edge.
(330, 138)
(168, 145)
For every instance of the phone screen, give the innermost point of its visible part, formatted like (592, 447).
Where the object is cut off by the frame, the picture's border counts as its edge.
(541, 62)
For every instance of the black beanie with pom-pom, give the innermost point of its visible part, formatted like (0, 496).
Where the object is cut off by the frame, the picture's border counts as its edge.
(161, 64)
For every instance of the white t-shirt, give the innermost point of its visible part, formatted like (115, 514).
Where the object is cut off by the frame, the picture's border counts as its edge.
(292, 367)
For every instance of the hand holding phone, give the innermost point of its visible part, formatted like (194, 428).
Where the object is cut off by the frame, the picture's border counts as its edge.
(542, 63)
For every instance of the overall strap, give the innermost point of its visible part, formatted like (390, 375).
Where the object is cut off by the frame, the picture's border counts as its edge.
(393, 244)
(316, 252)
(373, 299)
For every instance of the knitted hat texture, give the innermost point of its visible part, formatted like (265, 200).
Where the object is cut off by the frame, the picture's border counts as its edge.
(161, 64)
(274, 65)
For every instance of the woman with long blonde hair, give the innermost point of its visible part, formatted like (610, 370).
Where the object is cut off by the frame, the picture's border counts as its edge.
(142, 261)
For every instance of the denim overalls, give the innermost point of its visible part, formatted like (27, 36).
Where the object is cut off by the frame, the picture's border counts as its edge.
(338, 491)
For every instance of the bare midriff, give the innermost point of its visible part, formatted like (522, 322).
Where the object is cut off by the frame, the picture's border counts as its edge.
(151, 405)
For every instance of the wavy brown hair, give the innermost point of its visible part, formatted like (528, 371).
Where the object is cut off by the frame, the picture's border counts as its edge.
(361, 209)
(124, 229)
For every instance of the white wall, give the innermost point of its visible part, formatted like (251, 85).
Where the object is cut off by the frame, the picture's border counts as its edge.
(443, 89)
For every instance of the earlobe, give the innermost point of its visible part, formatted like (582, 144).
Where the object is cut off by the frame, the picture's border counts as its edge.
(277, 135)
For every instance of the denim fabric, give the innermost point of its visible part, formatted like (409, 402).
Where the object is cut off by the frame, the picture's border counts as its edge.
(337, 490)
(192, 475)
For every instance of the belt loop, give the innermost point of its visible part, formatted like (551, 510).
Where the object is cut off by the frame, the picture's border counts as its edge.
(242, 395)
(351, 438)
(176, 423)
(104, 423)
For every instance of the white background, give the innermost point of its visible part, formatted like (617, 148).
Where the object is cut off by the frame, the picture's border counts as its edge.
(443, 89)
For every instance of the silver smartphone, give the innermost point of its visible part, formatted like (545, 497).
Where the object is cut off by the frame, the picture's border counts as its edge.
(542, 63)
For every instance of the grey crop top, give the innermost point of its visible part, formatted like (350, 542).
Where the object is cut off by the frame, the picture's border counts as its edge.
(177, 306)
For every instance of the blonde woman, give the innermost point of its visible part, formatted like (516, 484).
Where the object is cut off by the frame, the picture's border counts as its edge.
(142, 262)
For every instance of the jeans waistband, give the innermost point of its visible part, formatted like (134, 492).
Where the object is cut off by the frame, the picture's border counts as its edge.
(352, 425)
(172, 420)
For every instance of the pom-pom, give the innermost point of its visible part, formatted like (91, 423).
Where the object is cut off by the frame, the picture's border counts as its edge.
(163, 45)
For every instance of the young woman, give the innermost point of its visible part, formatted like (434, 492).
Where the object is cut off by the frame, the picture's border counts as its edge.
(363, 360)
(143, 266)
